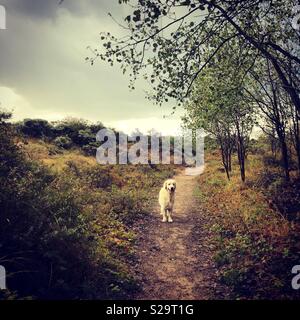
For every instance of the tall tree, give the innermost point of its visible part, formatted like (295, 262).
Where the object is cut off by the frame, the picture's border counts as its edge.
(218, 105)
(270, 97)
(207, 112)
(171, 38)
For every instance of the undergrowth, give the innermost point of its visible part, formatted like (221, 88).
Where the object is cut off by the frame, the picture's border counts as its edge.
(65, 221)
(255, 228)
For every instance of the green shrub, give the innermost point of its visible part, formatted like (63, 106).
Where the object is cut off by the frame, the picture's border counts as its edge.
(63, 142)
(48, 234)
(66, 235)
(127, 205)
(85, 137)
(70, 127)
(91, 148)
(99, 177)
(36, 128)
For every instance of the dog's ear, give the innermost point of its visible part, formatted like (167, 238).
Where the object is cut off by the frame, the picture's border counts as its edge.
(165, 185)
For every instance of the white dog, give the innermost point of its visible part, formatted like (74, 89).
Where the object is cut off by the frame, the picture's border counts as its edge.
(166, 199)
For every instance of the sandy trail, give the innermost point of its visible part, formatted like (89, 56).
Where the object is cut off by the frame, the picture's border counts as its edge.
(174, 258)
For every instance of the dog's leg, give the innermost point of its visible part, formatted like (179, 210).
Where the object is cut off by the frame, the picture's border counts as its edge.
(169, 213)
(163, 212)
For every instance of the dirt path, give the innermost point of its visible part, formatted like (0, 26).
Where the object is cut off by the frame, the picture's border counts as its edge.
(174, 258)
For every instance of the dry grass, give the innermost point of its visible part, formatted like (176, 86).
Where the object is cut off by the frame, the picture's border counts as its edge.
(109, 199)
(254, 242)
(56, 159)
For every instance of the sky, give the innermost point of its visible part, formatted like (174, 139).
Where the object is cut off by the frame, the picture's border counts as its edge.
(43, 73)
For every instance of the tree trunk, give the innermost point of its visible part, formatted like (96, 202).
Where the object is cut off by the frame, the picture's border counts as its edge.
(225, 161)
(241, 151)
(229, 161)
(296, 137)
(285, 156)
(241, 158)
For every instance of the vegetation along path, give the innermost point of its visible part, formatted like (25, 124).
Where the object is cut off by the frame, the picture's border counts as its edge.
(175, 259)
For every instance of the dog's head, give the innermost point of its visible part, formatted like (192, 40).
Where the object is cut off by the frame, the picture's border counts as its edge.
(170, 185)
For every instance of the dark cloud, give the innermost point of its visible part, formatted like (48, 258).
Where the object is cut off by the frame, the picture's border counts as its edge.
(41, 9)
(34, 8)
(42, 60)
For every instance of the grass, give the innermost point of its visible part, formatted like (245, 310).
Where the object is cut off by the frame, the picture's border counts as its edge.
(255, 245)
(109, 198)
(55, 158)
(254, 225)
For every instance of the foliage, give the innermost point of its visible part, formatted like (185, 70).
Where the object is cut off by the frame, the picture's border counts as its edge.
(255, 245)
(63, 142)
(167, 40)
(90, 149)
(64, 134)
(65, 235)
(218, 105)
(36, 128)
(233, 43)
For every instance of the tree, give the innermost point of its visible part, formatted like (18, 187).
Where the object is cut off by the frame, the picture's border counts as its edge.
(218, 105)
(295, 132)
(268, 94)
(205, 112)
(170, 39)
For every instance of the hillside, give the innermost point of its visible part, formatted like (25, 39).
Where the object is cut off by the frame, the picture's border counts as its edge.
(66, 221)
(74, 229)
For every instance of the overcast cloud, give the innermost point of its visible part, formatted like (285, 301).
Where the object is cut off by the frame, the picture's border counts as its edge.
(43, 72)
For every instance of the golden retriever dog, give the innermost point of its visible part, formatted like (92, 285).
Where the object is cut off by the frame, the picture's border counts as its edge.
(166, 199)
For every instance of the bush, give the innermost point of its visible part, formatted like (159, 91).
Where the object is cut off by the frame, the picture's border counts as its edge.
(63, 142)
(127, 206)
(81, 133)
(91, 148)
(254, 244)
(70, 127)
(36, 128)
(85, 137)
(48, 236)
(99, 177)
(66, 235)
